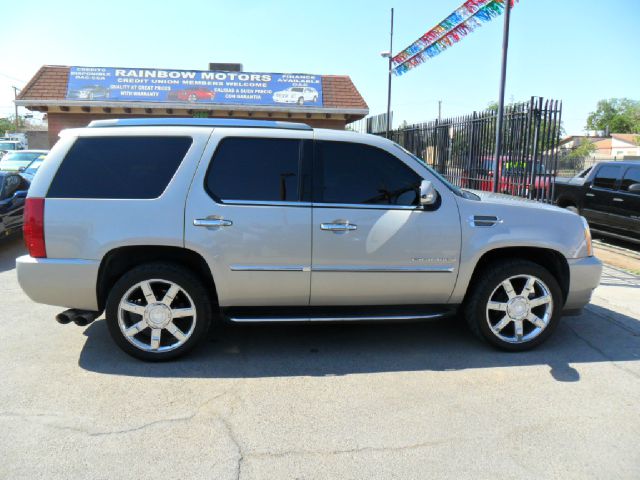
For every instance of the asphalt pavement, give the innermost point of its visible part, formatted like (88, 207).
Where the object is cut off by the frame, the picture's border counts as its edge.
(405, 401)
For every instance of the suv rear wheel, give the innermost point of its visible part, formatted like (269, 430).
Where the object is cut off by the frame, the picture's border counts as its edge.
(515, 305)
(158, 311)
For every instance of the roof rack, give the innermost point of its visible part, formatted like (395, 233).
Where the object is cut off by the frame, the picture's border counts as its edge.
(197, 122)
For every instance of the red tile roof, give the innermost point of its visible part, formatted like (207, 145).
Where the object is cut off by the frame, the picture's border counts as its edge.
(631, 138)
(50, 83)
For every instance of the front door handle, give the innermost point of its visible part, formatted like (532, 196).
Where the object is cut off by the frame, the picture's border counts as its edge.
(589, 194)
(212, 222)
(338, 227)
(616, 199)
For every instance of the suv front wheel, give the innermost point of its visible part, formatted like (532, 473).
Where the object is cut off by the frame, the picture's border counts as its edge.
(515, 305)
(158, 311)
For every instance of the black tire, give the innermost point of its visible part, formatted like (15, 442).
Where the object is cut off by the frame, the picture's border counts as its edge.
(475, 307)
(187, 281)
(301, 101)
(572, 208)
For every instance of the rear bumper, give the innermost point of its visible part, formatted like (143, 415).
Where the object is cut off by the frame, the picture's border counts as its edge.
(585, 277)
(64, 282)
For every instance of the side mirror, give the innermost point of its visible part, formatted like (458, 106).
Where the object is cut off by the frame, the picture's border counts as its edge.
(22, 169)
(20, 194)
(634, 187)
(428, 194)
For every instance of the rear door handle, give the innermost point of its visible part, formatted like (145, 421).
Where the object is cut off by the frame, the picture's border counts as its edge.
(338, 227)
(589, 194)
(212, 222)
(616, 199)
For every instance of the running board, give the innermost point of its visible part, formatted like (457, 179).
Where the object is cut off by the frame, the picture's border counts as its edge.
(334, 314)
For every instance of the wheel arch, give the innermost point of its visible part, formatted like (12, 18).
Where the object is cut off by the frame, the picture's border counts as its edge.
(122, 259)
(565, 201)
(552, 260)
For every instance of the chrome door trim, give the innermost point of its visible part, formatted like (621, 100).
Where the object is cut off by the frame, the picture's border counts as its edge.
(264, 203)
(374, 269)
(269, 268)
(367, 318)
(365, 206)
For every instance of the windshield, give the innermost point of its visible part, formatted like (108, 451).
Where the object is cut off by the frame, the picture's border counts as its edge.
(457, 190)
(17, 160)
(34, 166)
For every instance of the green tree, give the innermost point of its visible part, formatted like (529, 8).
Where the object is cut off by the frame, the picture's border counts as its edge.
(583, 150)
(616, 115)
(6, 125)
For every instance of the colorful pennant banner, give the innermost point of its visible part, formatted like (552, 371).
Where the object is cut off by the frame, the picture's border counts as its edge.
(464, 20)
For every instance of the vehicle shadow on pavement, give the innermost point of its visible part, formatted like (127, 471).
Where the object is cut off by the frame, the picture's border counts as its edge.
(253, 351)
(11, 247)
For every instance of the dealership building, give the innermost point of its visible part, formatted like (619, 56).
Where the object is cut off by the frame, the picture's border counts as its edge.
(73, 96)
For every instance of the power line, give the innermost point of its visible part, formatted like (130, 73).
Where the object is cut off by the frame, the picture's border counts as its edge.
(12, 78)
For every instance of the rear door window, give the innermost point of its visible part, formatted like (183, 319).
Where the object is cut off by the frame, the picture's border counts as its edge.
(607, 177)
(119, 167)
(255, 169)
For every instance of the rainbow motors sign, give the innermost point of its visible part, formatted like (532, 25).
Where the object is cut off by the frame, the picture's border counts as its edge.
(112, 84)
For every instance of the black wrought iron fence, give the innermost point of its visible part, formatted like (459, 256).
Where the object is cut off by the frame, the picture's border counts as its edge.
(463, 148)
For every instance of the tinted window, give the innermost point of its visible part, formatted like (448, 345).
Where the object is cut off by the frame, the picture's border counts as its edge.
(261, 169)
(119, 167)
(631, 177)
(606, 177)
(359, 174)
(11, 186)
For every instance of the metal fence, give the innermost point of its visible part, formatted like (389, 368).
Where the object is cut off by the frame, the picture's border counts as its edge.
(463, 148)
(376, 124)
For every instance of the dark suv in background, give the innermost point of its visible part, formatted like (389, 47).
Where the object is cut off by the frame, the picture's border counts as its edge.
(608, 196)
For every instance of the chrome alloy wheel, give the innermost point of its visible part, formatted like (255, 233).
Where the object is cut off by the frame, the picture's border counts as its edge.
(519, 309)
(156, 315)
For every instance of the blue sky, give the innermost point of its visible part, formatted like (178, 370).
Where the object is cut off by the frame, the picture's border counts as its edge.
(578, 51)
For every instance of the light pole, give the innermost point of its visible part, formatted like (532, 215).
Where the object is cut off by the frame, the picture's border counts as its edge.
(503, 75)
(15, 97)
(388, 54)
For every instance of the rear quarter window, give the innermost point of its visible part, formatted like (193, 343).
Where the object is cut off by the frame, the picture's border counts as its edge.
(119, 167)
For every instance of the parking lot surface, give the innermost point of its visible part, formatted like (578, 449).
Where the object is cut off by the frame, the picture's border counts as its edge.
(407, 401)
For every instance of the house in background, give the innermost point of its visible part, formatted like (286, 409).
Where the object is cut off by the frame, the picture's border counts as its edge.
(624, 145)
(618, 146)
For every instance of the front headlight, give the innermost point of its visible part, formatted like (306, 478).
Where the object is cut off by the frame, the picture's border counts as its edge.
(587, 236)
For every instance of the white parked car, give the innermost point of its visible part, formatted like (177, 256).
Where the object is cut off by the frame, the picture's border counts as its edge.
(298, 95)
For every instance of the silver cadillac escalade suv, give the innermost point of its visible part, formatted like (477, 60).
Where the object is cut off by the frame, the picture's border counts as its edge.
(169, 225)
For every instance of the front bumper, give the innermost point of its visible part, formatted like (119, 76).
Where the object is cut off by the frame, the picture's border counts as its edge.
(585, 277)
(59, 281)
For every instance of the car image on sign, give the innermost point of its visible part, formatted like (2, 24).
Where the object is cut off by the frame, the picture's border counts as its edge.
(90, 92)
(298, 95)
(192, 95)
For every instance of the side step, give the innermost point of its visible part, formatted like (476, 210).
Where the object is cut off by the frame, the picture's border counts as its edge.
(336, 314)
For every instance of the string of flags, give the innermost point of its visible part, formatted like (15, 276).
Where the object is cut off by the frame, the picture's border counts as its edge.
(464, 20)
